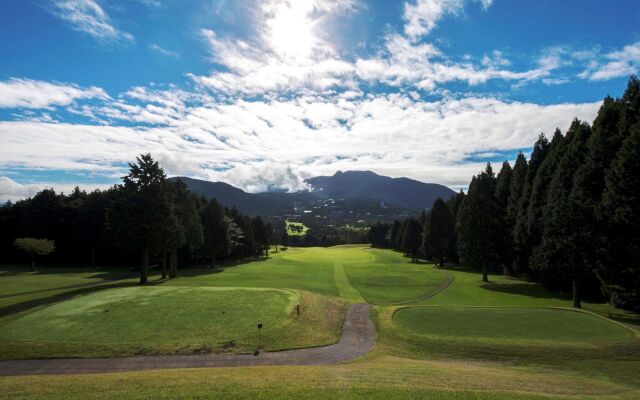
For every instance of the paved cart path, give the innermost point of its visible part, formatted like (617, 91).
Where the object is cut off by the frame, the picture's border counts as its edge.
(358, 338)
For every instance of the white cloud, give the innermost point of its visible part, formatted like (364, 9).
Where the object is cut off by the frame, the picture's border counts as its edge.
(620, 63)
(254, 144)
(421, 16)
(29, 93)
(11, 190)
(163, 51)
(89, 17)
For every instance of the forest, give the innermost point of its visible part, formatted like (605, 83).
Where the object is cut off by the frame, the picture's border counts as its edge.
(148, 220)
(569, 217)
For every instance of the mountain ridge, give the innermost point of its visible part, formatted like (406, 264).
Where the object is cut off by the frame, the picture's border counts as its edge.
(348, 185)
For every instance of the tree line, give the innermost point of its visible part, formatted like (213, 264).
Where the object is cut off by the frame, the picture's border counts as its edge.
(569, 217)
(146, 219)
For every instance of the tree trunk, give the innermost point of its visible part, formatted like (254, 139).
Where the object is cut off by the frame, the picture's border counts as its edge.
(266, 250)
(163, 264)
(576, 292)
(93, 256)
(173, 263)
(485, 275)
(33, 263)
(144, 268)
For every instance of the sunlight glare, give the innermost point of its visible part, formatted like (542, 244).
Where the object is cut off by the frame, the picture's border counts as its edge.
(291, 32)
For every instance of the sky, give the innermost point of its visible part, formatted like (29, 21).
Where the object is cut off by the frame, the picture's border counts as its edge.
(264, 94)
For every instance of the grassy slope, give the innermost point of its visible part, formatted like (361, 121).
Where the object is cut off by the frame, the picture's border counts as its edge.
(156, 320)
(404, 364)
(510, 324)
(377, 276)
(22, 291)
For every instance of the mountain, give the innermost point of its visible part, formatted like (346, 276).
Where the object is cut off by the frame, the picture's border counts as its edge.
(367, 185)
(363, 186)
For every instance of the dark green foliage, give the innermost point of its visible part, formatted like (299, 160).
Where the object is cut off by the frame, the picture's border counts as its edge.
(35, 247)
(621, 209)
(539, 191)
(411, 238)
(148, 215)
(521, 241)
(394, 232)
(564, 247)
(215, 226)
(480, 224)
(503, 184)
(378, 235)
(439, 231)
(516, 187)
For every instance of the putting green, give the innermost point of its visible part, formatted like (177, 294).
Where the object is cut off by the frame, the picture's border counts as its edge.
(519, 324)
(174, 320)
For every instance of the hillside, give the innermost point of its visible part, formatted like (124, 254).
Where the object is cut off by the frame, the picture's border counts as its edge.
(362, 186)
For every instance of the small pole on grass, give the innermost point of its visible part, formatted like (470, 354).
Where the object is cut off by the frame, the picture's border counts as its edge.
(259, 325)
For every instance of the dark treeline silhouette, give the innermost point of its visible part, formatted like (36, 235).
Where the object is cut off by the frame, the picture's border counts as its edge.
(148, 219)
(569, 217)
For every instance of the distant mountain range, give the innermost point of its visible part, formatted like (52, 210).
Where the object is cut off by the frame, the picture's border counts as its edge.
(350, 185)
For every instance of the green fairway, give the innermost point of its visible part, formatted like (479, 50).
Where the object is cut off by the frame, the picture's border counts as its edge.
(501, 340)
(295, 228)
(354, 273)
(22, 291)
(140, 320)
(520, 324)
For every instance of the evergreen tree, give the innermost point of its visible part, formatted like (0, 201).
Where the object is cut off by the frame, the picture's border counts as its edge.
(522, 245)
(563, 247)
(503, 185)
(621, 208)
(393, 234)
(142, 217)
(439, 232)
(479, 224)
(539, 192)
(412, 238)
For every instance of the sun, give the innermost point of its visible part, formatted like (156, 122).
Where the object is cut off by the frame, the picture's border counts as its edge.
(290, 32)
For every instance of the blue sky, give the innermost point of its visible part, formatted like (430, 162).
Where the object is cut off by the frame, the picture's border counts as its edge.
(268, 93)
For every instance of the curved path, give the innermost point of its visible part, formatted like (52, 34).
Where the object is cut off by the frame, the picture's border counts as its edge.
(358, 338)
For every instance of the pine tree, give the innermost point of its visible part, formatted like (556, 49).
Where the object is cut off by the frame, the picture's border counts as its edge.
(522, 246)
(503, 184)
(439, 232)
(562, 251)
(480, 224)
(539, 191)
(621, 207)
(412, 238)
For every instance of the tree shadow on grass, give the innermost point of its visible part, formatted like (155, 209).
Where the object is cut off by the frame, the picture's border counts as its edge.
(524, 289)
(18, 308)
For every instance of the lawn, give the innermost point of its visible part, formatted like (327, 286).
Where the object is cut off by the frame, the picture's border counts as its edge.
(172, 320)
(508, 339)
(295, 228)
(545, 325)
(356, 274)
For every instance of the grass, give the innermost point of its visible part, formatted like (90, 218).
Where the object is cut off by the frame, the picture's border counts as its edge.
(172, 320)
(377, 377)
(22, 291)
(289, 226)
(508, 339)
(510, 324)
(353, 273)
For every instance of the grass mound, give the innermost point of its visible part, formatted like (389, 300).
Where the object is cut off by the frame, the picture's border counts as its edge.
(169, 320)
(520, 324)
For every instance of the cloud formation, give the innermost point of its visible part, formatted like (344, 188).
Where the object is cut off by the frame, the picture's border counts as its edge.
(28, 93)
(89, 17)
